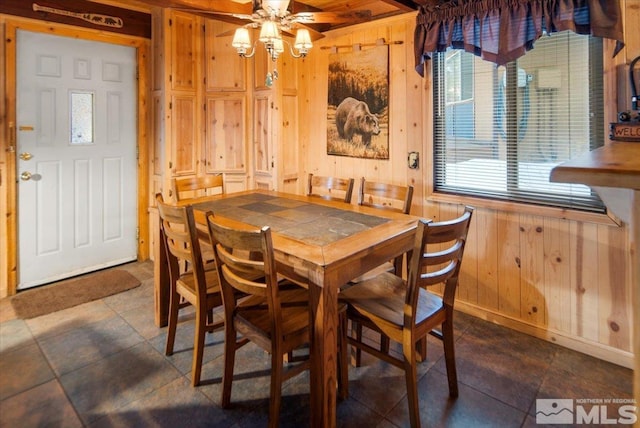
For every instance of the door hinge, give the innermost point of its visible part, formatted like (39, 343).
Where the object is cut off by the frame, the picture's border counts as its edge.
(12, 137)
(137, 233)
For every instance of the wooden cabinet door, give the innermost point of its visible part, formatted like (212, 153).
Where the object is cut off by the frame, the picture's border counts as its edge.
(225, 70)
(185, 51)
(262, 139)
(225, 133)
(184, 134)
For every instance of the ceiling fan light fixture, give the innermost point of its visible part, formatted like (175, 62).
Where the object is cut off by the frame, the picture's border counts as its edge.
(242, 42)
(303, 41)
(269, 32)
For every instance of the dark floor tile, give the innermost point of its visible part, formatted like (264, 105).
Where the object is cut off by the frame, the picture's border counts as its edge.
(88, 344)
(503, 338)
(352, 413)
(22, 369)
(14, 334)
(377, 384)
(182, 357)
(45, 405)
(251, 383)
(134, 298)
(472, 408)
(141, 270)
(66, 320)
(113, 382)
(500, 370)
(142, 319)
(176, 404)
(384, 424)
(595, 370)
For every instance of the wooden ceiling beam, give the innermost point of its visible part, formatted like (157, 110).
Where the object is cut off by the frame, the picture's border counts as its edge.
(403, 5)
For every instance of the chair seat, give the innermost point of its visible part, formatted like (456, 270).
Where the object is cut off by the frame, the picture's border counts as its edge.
(383, 298)
(186, 284)
(254, 311)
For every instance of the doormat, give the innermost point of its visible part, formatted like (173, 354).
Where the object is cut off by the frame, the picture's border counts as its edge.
(72, 292)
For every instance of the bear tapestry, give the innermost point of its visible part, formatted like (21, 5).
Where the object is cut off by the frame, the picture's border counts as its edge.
(358, 105)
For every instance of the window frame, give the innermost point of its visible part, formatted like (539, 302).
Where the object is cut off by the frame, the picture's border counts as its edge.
(611, 106)
(514, 192)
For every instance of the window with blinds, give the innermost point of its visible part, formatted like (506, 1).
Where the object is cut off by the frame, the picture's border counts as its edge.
(500, 130)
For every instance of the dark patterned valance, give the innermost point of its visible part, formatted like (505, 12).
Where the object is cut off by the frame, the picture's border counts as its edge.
(503, 30)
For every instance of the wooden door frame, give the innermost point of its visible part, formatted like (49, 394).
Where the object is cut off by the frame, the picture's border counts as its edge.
(9, 279)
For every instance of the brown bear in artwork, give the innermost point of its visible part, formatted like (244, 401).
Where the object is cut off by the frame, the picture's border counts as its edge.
(353, 117)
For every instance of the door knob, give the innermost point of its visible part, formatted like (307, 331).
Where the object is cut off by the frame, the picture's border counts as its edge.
(25, 176)
(25, 156)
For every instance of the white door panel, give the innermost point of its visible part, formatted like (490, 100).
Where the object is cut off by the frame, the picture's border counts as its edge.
(76, 110)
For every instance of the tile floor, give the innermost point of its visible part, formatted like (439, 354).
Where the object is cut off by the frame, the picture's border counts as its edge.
(102, 364)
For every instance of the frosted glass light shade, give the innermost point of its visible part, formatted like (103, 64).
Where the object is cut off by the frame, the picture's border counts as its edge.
(269, 32)
(303, 40)
(241, 39)
(278, 46)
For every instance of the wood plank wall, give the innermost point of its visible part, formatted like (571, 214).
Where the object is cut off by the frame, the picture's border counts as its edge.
(4, 137)
(549, 273)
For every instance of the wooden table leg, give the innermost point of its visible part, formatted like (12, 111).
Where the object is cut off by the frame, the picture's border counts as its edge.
(323, 350)
(161, 281)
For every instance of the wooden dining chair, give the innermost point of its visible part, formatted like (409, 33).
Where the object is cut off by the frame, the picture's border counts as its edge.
(197, 286)
(330, 188)
(385, 196)
(273, 314)
(390, 197)
(191, 187)
(405, 311)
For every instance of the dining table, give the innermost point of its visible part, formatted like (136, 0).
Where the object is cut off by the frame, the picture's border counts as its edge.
(320, 243)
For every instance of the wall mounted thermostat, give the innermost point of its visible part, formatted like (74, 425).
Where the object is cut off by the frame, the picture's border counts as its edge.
(413, 160)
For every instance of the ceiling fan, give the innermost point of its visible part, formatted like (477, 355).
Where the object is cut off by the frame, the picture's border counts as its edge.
(286, 14)
(275, 18)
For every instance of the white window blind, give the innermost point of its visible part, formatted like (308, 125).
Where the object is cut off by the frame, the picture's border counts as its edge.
(500, 130)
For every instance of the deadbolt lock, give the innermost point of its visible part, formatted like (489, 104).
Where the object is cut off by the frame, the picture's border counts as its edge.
(25, 156)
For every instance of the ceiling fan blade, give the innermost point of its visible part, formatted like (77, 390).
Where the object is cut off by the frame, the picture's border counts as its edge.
(315, 35)
(332, 17)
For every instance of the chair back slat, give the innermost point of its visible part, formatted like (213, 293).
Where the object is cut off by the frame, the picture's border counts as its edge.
(196, 186)
(181, 243)
(245, 262)
(386, 196)
(330, 188)
(428, 268)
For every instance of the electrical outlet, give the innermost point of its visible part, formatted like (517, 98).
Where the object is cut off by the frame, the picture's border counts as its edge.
(413, 160)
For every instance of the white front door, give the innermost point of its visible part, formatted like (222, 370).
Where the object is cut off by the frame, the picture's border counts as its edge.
(76, 147)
